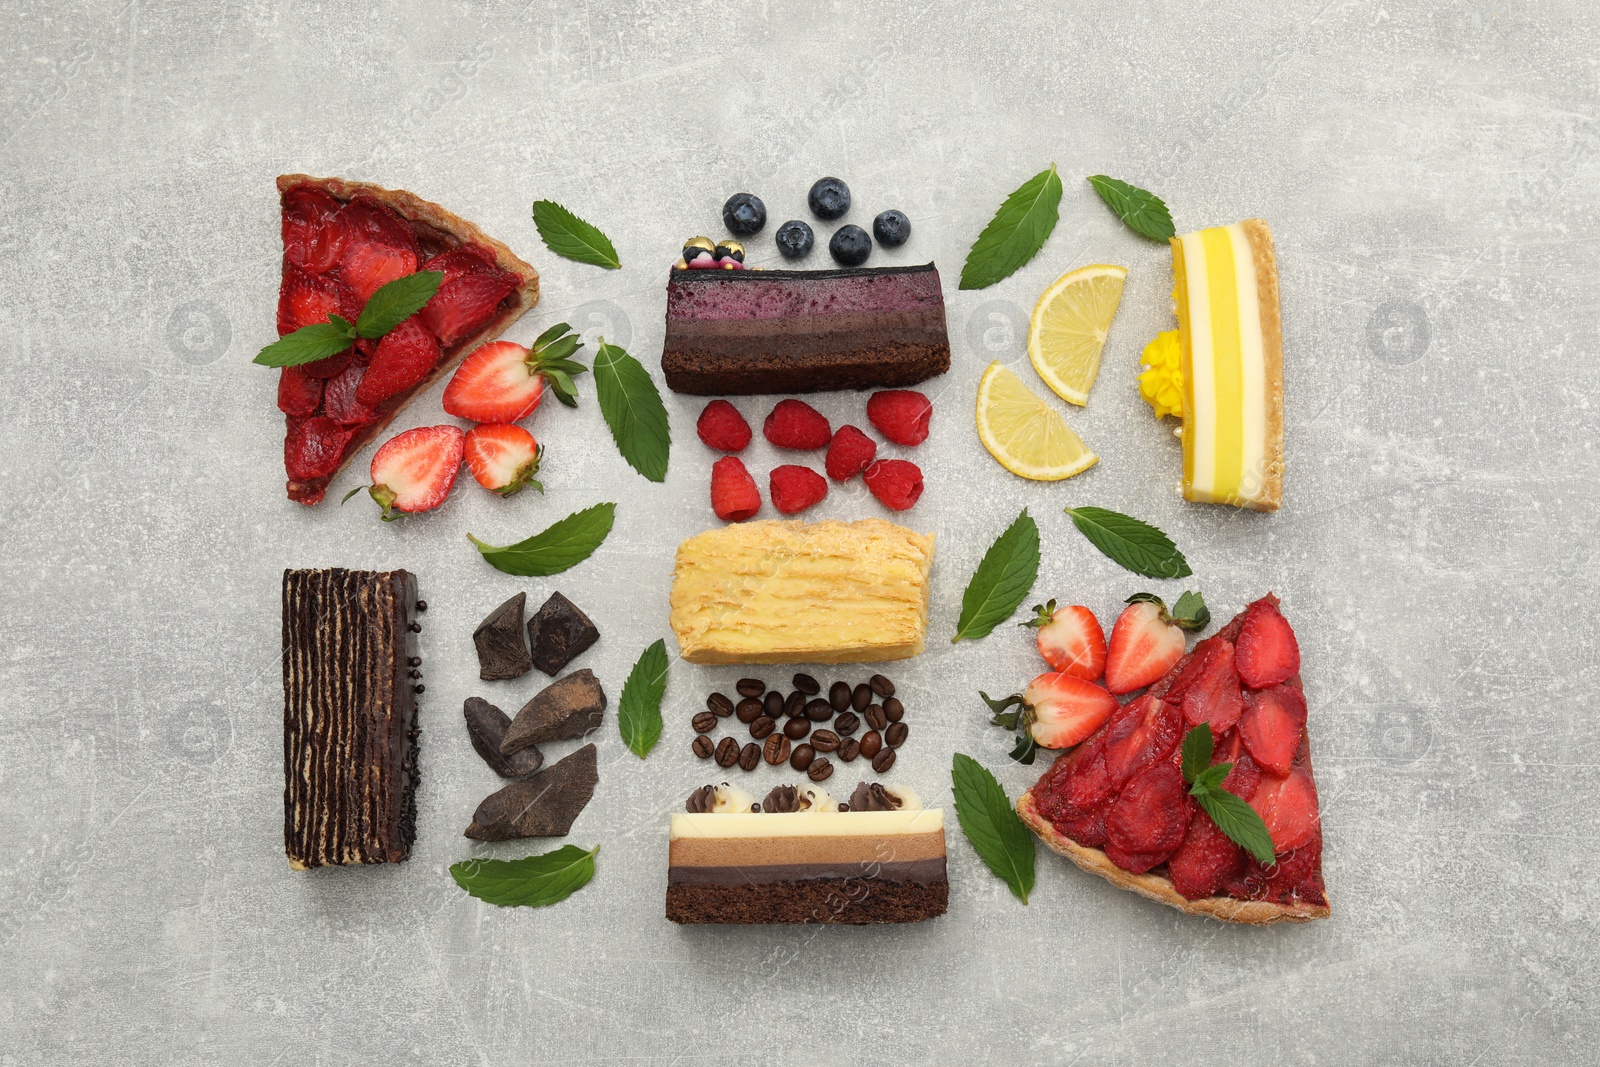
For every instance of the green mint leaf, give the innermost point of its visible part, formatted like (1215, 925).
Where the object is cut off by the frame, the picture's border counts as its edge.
(1210, 780)
(1240, 822)
(1002, 580)
(1190, 612)
(308, 344)
(533, 882)
(992, 825)
(639, 710)
(562, 545)
(1026, 748)
(396, 302)
(1017, 231)
(1197, 746)
(1131, 543)
(1141, 212)
(632, 407)
(570, 237)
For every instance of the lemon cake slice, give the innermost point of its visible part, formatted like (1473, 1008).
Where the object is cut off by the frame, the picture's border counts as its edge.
(799, 592)
(1231, 350)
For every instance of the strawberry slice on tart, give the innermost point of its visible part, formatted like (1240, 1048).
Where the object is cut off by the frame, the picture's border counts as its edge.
(1120, 804)
(342, 242)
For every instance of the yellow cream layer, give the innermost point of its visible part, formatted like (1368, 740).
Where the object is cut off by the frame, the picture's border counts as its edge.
(1231, 352)
(748, 825)
(797, 592)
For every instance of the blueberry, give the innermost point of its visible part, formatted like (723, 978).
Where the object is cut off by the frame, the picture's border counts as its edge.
(794, 239)
(891, 228)
(829, 198)
(850, 246)
(744, 214)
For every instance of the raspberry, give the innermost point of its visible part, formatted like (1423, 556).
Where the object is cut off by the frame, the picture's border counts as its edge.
(796, 424)
(722, 427)
(850, 453)
(794, 488)
(734, 496)
(897, 483)
(901, 415)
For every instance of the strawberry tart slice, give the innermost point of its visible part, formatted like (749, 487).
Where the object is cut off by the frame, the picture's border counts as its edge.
(342, 242)
(1119, 804)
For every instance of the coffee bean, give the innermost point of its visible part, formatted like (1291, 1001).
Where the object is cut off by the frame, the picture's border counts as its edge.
(776, 749)
(795, 729)
(820, 771)
(825, 741)
(727, 752)
(861, 697)
(847, 724)
(795, 705)
(895, 735)
(839, 695)
(704, 722)
(719, 705)
(762, 727)
(749, 756)
(871, 742)
(849, 749)
(751, 687)
(807, 684)
(883, 761)
(875, 716)
(802, 756)
(772, 704)
(702, 746)
(819, 710)
(894, 709)
(881, 685)
(748, 710)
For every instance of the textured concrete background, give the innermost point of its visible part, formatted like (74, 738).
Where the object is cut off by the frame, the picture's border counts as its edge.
(1430, 172)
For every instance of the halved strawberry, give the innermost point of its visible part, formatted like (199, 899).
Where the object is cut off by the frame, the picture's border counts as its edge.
(313, 447)
(1205, 861)
(734, 496)
(503, 458)
(1289, 808)
(1148, 820)
(305, 299)
(414, 471)
(406, 355)
(379, 246)
(1145, 643)
(1070, 639)
(312, 234)
(339, 401)
(298, 392)
(472, 289)
(1144, 731)
(504, 382)
(1267, 652)
(1064, 709)
(1208, 689)
(1271, 726)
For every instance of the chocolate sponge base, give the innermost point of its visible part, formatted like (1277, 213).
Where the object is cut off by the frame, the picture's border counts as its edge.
(850, 901)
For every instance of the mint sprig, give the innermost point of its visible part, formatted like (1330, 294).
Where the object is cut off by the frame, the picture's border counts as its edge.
(1238, 821)
(992, 826)
(633, 410)
(1017, 231)
(385, 309)
(533, 882)
(639, 709)
(1142, 212)
(570, 237)
(1131, 543)
(562, 545)
(1002, 580)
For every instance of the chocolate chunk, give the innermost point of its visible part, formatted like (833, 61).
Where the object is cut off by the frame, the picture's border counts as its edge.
(782, 798)
(558, 633)
(701, 800)
(501, 653)
(542, 806)
(870, 796)
(486, 726)
(562, 711)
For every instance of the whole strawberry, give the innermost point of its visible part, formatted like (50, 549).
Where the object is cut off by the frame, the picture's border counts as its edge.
(414, 471)
(849, 453)
(797, 425)
(503, 458)
(722, 427)
(901, 415)
(734, 496)
(794, 488)
(897, 483)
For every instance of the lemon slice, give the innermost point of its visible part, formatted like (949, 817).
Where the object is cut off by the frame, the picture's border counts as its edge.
(1069, 328)
(1025, 434)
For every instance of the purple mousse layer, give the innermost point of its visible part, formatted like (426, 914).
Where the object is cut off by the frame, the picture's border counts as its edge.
(743, 332)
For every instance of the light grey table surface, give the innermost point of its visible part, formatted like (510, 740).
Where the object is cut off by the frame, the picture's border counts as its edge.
(1430, 174)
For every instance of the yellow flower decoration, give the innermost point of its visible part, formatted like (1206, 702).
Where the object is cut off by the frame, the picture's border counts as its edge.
(1161, 384)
